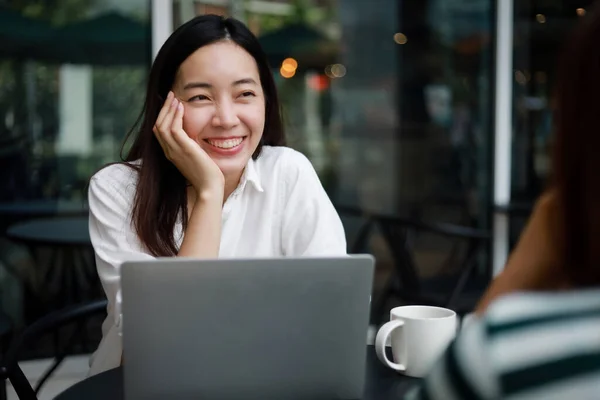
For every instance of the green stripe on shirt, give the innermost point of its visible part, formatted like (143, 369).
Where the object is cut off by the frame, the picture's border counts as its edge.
(498, 328)
(549, 373)
(457, 378)
(573, 369)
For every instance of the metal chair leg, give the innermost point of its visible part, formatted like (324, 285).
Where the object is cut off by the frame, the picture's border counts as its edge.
(378, 307)
(3, 394)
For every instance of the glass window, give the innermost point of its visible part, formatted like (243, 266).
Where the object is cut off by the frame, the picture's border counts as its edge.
(72, 81)
(392, 102)
(540, 30)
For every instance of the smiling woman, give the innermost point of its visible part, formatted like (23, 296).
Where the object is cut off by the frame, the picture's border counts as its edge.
(224, 106)
(207, 175)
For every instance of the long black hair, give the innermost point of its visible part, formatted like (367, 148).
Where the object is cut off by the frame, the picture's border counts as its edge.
(576, 162)
(161, 197)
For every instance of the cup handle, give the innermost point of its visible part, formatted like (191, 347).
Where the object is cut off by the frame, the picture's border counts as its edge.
(381, 339)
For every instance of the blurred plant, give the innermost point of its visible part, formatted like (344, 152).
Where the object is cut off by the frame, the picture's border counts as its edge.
(57, 12)
(117, 96)
(305, 12)
(300, 15)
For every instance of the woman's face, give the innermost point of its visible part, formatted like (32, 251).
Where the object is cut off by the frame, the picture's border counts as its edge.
(224, 104)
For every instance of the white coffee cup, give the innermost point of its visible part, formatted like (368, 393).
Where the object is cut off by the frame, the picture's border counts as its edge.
(419, 336)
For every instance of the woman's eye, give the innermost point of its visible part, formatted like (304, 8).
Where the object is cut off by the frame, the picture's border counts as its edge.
(247, 94)
(200, 97)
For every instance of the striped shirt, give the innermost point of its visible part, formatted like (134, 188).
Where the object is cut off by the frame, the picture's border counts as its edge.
(528, 346)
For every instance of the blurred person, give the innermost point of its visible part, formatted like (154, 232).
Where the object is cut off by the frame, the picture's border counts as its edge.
(537, 333)
(207, 175)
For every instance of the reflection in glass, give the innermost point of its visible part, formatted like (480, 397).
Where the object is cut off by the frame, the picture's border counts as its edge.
(72, 78)
(540, 30)
(391, 101)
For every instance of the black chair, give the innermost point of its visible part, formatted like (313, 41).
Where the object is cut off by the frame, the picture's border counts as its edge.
(451, 290)
(9, 367)
(15, 182)
(5, 336)
(5, 331)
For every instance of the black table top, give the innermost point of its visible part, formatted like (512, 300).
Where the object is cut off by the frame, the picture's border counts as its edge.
(381, 383)
(70, 231)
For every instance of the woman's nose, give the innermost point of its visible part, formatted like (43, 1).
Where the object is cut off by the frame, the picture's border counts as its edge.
(225, 116)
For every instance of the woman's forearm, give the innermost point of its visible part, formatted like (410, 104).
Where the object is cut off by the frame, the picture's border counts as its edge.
(513, 280)
(503, 284)
(535, 262)
(203, 234)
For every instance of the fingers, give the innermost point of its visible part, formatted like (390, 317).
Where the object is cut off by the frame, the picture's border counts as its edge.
(161, 116)
(165, 109)
(177, 125)
(158, 137)
(165, 124)
(162, 128)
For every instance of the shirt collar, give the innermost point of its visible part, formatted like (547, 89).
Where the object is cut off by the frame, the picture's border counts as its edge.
(251, 175)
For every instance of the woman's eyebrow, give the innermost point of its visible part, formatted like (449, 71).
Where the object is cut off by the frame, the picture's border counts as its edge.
(197, 85)
(205, 85)
(244, 81)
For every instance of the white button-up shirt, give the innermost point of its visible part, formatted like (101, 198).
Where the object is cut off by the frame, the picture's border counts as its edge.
(278, 209)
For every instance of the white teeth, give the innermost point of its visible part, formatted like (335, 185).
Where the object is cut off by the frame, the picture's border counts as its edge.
(225, 144)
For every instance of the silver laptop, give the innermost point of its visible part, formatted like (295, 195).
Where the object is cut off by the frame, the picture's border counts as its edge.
(283, 328)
